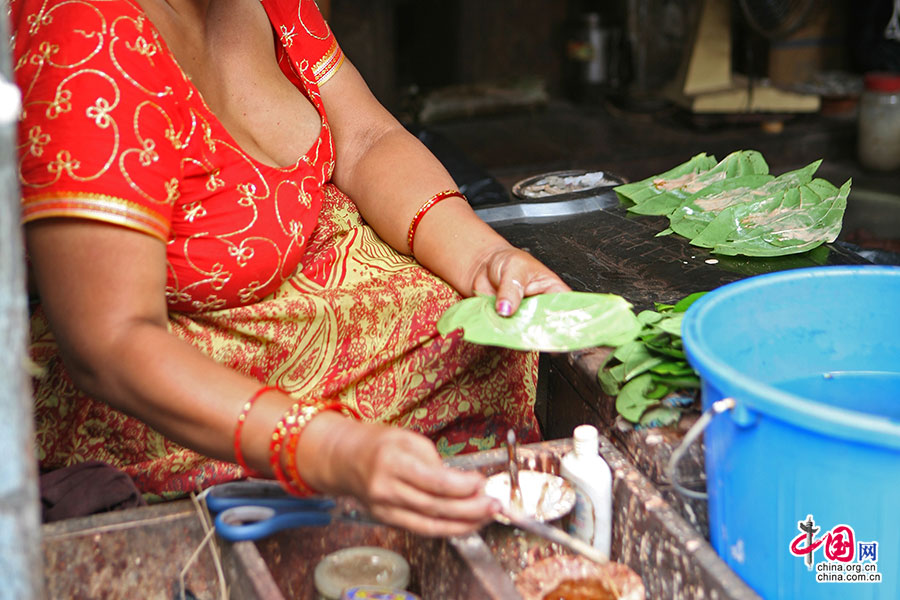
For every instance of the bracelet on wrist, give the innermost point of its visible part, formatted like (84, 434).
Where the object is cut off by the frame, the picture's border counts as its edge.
(411, 234)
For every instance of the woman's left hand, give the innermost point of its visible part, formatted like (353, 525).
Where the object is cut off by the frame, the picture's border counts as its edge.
(511, 274)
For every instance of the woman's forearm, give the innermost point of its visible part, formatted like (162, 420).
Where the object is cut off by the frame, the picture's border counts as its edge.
(391, 180)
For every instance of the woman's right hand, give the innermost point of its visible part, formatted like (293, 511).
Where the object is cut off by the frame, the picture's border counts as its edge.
(397, 474)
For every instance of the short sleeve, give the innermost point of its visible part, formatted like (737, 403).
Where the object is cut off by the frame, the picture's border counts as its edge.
(306, 37)
(100, 132)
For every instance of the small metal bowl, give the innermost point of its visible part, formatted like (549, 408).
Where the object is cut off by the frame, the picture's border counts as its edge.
(568, 184)
(545, 497)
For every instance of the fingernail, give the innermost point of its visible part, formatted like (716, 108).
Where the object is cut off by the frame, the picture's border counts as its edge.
(504, 308)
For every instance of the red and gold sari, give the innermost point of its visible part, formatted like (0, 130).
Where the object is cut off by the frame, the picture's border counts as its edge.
(271, 270)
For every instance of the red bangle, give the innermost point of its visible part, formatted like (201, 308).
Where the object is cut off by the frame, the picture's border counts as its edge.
(424, 209)
(239, 426)
(306, 413)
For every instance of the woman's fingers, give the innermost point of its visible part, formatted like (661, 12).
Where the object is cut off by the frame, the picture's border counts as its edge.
(404, 482)
(513, 274)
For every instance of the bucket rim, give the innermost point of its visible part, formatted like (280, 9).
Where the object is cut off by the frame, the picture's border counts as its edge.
(771, 401)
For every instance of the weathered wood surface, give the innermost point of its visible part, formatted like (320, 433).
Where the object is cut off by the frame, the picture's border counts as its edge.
(20, 570)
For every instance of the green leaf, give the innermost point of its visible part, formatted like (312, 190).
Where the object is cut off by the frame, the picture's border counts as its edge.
(639, 191)
(672, 324)
(675, 368)
(698, 210)
(636, 359)
(611, 379)
(648, 317)
(788, 222)
(685, 303)
(559, 322)
(632, 400)
(677, 383)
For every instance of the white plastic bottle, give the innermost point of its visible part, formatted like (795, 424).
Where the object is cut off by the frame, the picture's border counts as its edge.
(589, 474)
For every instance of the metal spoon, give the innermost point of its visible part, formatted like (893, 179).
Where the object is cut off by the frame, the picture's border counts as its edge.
(515, 492)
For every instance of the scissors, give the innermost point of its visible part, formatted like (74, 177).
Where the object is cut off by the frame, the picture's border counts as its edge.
(254, 509)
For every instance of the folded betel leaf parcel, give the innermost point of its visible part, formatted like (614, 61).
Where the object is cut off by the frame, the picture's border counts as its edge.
(737, 207)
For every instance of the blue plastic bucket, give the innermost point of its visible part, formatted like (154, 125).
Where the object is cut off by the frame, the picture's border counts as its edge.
(811, 358)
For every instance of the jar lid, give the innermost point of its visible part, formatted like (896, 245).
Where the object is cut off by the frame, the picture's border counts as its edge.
(883, 82)
(361, 565)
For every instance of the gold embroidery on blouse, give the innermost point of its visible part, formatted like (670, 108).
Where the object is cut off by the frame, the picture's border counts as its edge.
(173, 193)
(214, 182)
(138, 49)
(248, 294)
(37, 139)
(242, 254)
(62, 103)
(193, 211)
(64, 163)
(287, 37)
(99, 112)
(36, 20)
(212, 302)
(300, 18)
(45, 51)
(147, 155)
(143, 47)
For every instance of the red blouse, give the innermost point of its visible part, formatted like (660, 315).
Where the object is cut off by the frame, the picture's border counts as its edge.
(113, 130)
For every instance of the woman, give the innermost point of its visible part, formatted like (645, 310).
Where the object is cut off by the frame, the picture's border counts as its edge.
(201, 287)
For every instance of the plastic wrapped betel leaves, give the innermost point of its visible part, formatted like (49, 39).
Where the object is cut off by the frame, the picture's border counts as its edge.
(736, 207)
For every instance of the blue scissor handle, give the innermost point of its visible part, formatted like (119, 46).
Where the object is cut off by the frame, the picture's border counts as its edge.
(253, 521)
(260, 493)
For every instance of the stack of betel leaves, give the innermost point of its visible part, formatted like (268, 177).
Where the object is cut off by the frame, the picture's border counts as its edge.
(735, 206)
(649, 376)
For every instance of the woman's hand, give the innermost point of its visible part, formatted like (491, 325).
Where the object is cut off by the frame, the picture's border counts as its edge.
(512, 274)
(399, 476)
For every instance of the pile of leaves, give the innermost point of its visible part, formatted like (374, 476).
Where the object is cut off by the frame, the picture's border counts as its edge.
(649, 376)
(736, 207)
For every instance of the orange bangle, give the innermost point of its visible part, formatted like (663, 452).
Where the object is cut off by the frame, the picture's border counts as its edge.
(239, 426)
(284, 426)
(424, 209)
(307, 413)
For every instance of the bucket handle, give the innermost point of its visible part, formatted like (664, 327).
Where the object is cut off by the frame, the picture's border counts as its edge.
(717, 407)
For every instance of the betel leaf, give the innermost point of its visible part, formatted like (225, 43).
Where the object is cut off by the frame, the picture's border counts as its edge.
(638, 191)
(686, 302)
(797, 220)
(632, 400)
(696, 211)
(668, 193)
(559, 322)
(611, 379)
(636, 359)
(671, 324)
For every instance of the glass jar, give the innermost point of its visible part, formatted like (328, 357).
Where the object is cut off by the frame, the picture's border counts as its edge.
(879, 122)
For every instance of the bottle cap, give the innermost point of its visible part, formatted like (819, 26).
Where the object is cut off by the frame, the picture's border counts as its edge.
(882, 82)
(586, 440)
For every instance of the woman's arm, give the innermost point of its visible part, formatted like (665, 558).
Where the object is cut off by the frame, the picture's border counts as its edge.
(389, 174)
(103, 289)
